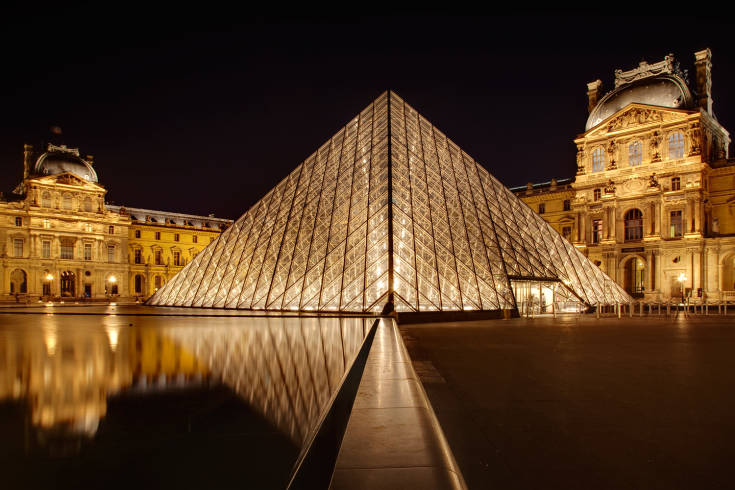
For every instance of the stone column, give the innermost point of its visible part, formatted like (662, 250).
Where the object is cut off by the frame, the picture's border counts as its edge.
(650, 281)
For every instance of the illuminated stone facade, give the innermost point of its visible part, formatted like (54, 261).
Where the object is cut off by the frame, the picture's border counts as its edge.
(653, 201)
(60, 240)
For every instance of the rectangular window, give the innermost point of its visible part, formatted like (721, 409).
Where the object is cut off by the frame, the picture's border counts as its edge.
(159, 257)
(596, 194)
(111, 230)
(177, 258)
(596, 230)
(137, 233)
(47, 223)
(111, 253)
(46, 249)
(567, 205)
(18, 247)
(18, 221)
(138, 255)
(87, 251)
(675, 183)
(542, 208)
(67, 250)
(176, 237)
(675, 224)
(566, 232)
(158, 235)
(193, 239)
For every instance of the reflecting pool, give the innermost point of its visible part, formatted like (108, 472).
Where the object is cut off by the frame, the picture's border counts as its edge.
(95, 401)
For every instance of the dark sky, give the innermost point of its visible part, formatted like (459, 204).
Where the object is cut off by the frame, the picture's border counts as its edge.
(204, 111)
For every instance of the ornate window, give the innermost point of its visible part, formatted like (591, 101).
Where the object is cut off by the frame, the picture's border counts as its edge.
(675, 183)
(46, 249)
(635, 153)
(18, 247)
(46, 199)
(111, 230)
(18, 221)
(542, 208)
(566, 232)
(633, 225)
(596, 230)
(138, 256)
(46, 223)
(138, 284)
(158, 235)
(675, 224)
(137, 233)
(676, 145)
(598, 160)
(596, 194)
(158, 257)
(567, 205)
(193, 239)
(87, 251)
(67, 202)
(177, 257)
(176, 237)
(157, 282)
(67, 249)
(111, 253)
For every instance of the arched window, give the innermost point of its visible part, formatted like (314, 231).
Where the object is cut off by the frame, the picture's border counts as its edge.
(635, 153)
(67, 201)
(676, 145)
(88, 204)
(598, 160)
(18, 283)
(46, 199)
(633, 225)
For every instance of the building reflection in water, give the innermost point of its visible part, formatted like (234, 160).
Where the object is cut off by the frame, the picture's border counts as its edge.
(64, 369)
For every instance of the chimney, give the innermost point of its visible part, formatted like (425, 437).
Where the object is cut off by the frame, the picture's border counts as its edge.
(703, 65)
(594, 89)
(27, 160)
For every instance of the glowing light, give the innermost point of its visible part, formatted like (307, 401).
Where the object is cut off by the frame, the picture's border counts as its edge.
(112, 279)
(49, 277)
(682, 277)
(113, 332)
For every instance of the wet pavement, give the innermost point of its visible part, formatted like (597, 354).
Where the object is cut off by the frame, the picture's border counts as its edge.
(110, 397)
(579, 402)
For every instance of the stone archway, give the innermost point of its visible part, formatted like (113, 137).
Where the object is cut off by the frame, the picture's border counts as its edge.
(634, 276)
(68, 283)
(18, 282)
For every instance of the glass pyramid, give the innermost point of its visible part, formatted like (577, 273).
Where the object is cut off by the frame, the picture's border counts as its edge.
(389, 209)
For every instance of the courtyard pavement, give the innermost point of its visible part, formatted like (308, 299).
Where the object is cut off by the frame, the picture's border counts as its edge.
(579, 402)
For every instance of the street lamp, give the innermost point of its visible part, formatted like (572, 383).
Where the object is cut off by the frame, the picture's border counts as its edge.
(682, 279)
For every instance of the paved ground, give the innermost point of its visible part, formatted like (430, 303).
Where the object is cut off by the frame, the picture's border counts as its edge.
(584, 403)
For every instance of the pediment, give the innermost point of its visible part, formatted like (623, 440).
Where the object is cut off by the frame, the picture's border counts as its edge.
(636, 115)
(68, 178)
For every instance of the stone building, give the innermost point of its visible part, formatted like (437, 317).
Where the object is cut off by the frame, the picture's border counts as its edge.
(60, 240)
(653, 201)
(161, 243)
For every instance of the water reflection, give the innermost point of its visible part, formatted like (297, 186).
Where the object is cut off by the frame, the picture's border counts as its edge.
(70, 384)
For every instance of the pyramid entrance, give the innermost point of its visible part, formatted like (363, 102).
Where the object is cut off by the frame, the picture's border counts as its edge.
(389, 214)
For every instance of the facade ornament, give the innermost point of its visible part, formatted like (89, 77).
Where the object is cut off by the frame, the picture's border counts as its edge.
(633, 117)
(611, 155)
(655, 143)
(610, 187)
(644, 70)
(580, 160)
(653, 182)
(694, 136)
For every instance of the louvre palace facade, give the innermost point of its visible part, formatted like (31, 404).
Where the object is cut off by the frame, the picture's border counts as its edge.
(653, 200)
(60, 240)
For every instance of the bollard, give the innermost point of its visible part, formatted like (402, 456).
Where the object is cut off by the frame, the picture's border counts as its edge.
(597, 312)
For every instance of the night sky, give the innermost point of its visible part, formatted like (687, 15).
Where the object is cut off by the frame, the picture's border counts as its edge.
(204, 111)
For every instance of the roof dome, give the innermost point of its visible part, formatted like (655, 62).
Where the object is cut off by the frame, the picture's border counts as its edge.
(668, 90)
(59, 159)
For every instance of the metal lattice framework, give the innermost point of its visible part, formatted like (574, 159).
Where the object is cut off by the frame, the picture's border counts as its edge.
(388, 208)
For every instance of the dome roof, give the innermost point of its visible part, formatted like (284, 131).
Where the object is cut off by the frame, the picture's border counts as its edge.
(58, 160)
(667, 90)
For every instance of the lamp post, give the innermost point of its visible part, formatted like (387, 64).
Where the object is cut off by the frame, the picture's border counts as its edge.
(682, 279)
(47, 285)
(112, 280)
